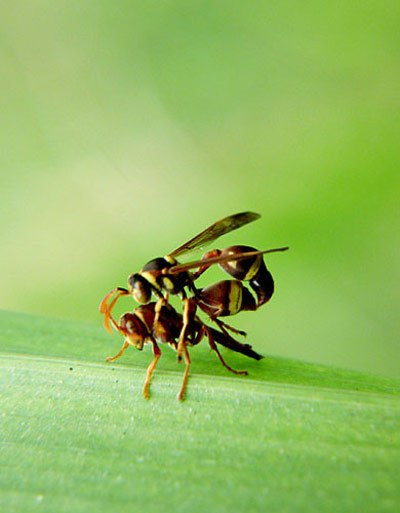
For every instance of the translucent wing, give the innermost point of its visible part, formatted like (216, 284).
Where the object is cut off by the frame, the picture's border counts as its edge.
(220, 259)
(213, 232)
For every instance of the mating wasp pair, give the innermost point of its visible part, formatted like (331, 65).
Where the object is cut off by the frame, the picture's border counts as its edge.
(158, 322)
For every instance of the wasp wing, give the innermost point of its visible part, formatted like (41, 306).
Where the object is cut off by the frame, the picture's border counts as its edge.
(213, 232)
(220, 259)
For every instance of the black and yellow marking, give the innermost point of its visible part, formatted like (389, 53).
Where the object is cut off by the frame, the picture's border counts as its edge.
(234, 297)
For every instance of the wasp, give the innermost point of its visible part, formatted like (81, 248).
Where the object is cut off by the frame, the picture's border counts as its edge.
(140, 327)
(165, 275)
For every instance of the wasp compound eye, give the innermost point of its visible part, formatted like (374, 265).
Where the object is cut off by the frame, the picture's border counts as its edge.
(140, 288)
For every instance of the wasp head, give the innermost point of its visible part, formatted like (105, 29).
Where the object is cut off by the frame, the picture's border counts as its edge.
(134, 330)
(140, 288)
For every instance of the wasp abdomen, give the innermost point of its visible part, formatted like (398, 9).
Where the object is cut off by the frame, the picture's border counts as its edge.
(263, 285)
(224, 298)
(244, 269)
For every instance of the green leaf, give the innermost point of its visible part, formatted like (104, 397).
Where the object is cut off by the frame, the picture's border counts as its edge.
(78, 436)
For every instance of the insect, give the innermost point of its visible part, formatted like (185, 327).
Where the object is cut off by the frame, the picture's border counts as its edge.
(164, 276)
(229, 297)
(139, 328)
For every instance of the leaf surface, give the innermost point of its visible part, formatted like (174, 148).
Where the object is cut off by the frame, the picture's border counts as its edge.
(78, 436)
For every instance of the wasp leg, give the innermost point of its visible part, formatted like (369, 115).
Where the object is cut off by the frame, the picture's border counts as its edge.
(106, 309)
(150, 369)
(112, 358)
(160, 328)
(162, 301)
(189, 311)
(215, 348)
(200, 334)
(210, 254)
(186, 374)
(223, 326)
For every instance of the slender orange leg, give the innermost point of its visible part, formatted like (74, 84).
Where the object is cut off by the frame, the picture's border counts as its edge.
(189, 310)
(215, 348)
(112, 358)
(225, 326)
(200, 333)
(186, 374)
(110, 318)
(160, 329)
(116, 326)
(103, 305)
(162, 301)
(106, 309)
(210, 254)
(150, 369)
(107, 314)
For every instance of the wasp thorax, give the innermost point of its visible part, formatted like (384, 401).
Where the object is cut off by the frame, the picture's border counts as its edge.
(140, 288)
(158, 264)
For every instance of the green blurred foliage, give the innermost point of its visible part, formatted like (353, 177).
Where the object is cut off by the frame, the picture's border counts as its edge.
(128, 127)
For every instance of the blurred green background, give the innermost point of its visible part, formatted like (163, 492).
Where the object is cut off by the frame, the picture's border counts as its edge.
(128, 127)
